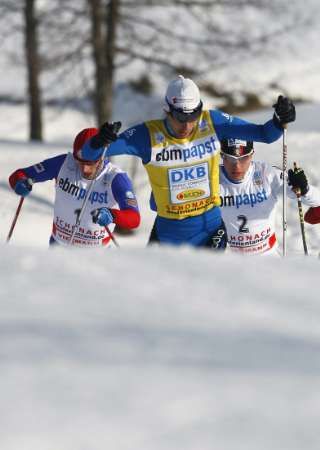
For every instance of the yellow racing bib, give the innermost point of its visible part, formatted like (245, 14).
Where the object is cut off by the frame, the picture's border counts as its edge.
(184, 173)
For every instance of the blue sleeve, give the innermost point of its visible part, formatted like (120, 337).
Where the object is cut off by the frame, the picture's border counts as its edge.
(134, 141)
(122, 190)
(45, 170)
(227, 126)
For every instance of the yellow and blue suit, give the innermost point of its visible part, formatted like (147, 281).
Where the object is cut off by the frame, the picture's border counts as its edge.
(184, 173)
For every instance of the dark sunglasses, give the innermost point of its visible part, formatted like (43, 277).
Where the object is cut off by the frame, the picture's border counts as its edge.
(234, 158)
(181, 116)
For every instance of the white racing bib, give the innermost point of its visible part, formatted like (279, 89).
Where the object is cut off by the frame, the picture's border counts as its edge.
(248, 209)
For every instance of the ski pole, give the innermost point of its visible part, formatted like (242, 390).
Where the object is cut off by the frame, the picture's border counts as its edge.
(111, 235)
(80, 212)
(15, 219)
(301, 219)
(284, 191)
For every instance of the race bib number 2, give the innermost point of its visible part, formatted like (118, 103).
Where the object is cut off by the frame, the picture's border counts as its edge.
(189, 183)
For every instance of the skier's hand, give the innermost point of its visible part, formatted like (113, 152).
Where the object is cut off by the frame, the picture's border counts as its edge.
(102, 216)
(284, 111)
(23, 186)
(298, 181)
(106, 135)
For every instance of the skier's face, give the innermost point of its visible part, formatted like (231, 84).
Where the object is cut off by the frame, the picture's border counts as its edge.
(88, 169)
(236, 168)
(182, 130)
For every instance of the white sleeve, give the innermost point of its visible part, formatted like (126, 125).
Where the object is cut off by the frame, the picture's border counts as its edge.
(312, 197)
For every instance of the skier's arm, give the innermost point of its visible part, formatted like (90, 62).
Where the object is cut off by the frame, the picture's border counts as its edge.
(227, 127)
(298, 181)
(128, 215)
(310, 195)
(43, 171)
(134, 141)
(234, 127)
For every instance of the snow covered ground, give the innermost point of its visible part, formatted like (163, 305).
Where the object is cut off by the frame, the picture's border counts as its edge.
(137, 350)
(154, 348)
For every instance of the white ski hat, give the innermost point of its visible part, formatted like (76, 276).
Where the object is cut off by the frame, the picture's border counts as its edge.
(182, 93)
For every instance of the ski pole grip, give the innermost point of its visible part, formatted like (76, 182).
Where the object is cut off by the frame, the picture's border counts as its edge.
(297, 190)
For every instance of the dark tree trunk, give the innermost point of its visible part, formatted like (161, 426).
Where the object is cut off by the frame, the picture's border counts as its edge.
(112, 20)
(98, 46)
(33, 71)
(104, 23)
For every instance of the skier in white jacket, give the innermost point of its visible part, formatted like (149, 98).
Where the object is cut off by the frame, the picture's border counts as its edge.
(112, 201)
(249, 193)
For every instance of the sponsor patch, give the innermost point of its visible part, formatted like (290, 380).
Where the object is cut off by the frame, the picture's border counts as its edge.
(72, 189)
(159, 137)
(130, 194)
(227, 116)
(238, 200)
(189, 183)
(196, 151)
(129, 133)
(203, 125)
(190, 194)
(257, 179)
(39, 168)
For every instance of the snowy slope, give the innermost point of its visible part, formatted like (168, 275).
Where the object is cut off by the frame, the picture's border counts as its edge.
(205, 354)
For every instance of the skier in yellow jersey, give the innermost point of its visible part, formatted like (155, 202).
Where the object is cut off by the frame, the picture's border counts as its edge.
(181, 156)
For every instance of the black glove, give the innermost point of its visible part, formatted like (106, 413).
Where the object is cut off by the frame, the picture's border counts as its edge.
(106, 135)
(285, 111)
(298, 180)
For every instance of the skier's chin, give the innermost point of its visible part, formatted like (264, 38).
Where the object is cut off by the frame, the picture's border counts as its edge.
(237, 176)
(87, 176)
(183, 134)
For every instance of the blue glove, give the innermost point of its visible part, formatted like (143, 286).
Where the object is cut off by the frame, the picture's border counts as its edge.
(23, 187)
(102, 216)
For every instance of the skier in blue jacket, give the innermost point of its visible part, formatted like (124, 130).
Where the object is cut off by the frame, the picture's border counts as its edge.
(181, 156)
